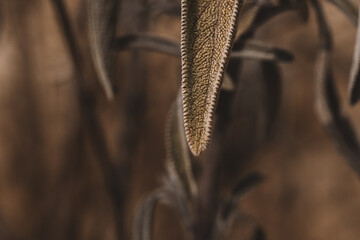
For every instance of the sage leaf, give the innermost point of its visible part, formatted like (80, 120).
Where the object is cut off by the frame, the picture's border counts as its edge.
(207, 32)
(348, 8)
(102, 28)
(354, 84)
(327, 103)
(178, 153)
(148, 41)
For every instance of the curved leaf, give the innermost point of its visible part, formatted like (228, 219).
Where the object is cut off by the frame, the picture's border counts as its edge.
(328, 106)
(148, 41)
(178, 155)
(354, 85)
(102, 28)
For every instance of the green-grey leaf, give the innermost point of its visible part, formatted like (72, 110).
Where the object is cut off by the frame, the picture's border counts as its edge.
(207, 32)
(102, 28)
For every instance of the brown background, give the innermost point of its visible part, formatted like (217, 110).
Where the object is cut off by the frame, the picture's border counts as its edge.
(52, 179)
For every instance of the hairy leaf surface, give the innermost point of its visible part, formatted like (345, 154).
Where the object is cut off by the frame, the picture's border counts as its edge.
(206, 38)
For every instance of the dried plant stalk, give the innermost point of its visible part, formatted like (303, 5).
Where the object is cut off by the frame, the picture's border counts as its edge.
(207, 32)
(102, 29)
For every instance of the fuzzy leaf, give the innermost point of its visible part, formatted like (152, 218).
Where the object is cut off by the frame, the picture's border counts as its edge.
(247, 17)
(207, 31)
(102, 28)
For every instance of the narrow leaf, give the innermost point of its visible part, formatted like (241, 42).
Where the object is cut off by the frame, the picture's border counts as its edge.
(258, 50)
(239, 191)
(354, 84)
(206, 38)
(272, 100)
(178, 153)
(328, 107)
(149, 42)
(144, 218)
(102, 28)
(252, 49)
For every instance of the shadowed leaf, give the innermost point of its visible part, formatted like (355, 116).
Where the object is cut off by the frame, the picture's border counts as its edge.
(243, 187)
(354, 84)
(149, 42)
(178, 154)
(206, 39)
(144, 218)
(328, 107)
(252, 49)
(263, 51)
(259, 233)
(272, 87)
(102, 28)
(169, 194)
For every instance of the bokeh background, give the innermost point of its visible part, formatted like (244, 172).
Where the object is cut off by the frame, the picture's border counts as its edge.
(74, 165)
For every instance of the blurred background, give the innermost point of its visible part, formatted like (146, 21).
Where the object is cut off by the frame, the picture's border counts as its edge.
(74, 165)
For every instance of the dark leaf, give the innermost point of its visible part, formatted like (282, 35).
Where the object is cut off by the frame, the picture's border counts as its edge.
(239, 191)
(259, 50)
(354, 84)
(148, 42)
(102, 15)
(272, 88)
(178, 153)
(328, 106)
